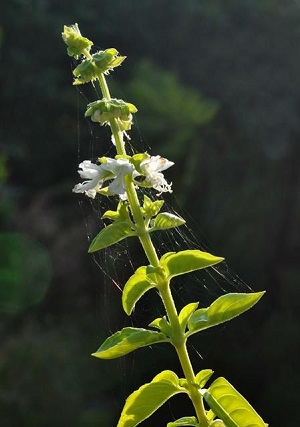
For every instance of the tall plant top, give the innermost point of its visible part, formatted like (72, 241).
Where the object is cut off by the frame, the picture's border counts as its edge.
(125, 178)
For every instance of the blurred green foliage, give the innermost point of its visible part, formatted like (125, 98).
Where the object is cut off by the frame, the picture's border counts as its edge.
(24, 272)
(235, 67)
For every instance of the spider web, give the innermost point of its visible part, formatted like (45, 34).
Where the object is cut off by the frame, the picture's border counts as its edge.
(117, 263)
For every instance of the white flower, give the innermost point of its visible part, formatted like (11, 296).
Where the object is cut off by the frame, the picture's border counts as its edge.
(152, 167)
(119, 168)
(94, 175)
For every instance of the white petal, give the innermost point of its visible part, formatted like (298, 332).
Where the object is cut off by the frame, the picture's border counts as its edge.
(117, 186)
(91, 193)
(118, 167)
(90, 170)
(155, 164)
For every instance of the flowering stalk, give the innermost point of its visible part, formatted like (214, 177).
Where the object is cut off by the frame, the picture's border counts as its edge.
(126, 177)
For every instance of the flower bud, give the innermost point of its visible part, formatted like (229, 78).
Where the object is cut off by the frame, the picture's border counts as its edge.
(76, 43)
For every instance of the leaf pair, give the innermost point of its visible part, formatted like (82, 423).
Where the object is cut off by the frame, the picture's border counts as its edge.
(223, 399)
(171, 264)
(221, 310)
(123, 227)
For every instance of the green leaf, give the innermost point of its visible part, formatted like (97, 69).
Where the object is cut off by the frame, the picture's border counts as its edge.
(176, 263)
(166, 220)
(121, 214)
(184, 421)
(110, 235)
(127, 340)
(185, 314)
(210, 415)
(163, 325)
(113, 215)
(203, 376)
(135, 287)
(150, 208)
(148, 398)
(229, 405)
(221, 310)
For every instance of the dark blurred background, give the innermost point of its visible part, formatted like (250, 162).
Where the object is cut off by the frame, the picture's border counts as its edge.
(217, 84)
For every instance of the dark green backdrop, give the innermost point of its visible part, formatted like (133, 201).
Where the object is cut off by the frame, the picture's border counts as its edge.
(217, 87)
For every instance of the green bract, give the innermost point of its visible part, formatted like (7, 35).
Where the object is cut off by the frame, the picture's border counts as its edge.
(77, 45)
(104, 110)
(99, 62)
(85, 72)
(107, 60)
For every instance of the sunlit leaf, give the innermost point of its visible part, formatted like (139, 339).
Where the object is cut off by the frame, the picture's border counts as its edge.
(150, 208)
(128, 340)
(221, 310)
(203, 376)
(185, 314)
(176, 263)
(166, 220)
(229, 405)
(121, 214)
(184, 421)
(139, 283)
(217, 423)
(162, 325)
(110, 235)
(148, 398)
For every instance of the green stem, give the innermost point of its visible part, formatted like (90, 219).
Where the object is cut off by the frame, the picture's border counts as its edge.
(193, 389)
(104, 87)
(118, 135)
(179, 342)
(178, 339)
